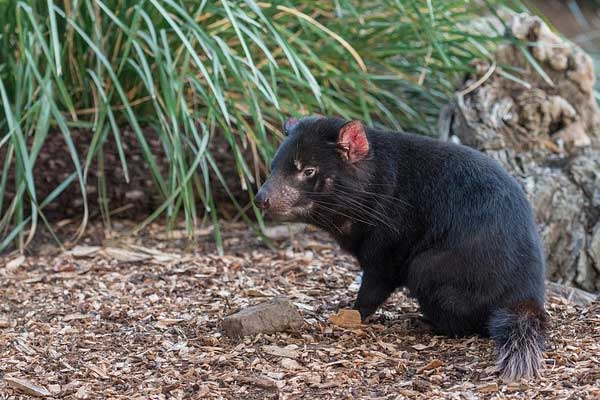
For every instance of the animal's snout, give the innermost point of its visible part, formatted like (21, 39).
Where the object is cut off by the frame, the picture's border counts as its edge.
(262, 199)
(276, 198)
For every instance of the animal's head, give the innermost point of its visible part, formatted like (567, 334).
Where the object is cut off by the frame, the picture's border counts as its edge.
(319, 160)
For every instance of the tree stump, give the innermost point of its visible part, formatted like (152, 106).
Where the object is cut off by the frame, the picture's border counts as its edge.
(545, 130)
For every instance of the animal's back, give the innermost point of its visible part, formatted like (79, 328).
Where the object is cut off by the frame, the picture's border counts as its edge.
(480, 265)
(480, 236)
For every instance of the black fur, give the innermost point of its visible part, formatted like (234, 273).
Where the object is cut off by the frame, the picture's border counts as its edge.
(443, 220)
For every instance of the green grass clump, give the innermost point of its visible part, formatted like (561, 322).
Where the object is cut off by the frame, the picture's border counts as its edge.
(192, 70)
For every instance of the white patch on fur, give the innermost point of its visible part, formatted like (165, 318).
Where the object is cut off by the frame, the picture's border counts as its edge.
(520, 355)
(328, 183)
(298, 165)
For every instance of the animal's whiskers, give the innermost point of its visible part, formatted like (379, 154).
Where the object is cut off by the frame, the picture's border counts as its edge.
(356, 206)
(364, 192)
(327, 207)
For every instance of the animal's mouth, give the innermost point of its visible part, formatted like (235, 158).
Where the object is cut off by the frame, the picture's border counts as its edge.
(294, 213)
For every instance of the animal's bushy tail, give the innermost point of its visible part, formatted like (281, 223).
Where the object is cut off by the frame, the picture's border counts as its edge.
(519, 333)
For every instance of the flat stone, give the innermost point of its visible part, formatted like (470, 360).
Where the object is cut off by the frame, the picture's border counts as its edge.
(594, 248)
(276, 315)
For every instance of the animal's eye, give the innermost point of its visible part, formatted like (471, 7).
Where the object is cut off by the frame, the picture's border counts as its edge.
(308, 172)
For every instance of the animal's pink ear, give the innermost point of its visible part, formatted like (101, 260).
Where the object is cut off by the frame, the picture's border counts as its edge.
(289, 124)
(352, 141)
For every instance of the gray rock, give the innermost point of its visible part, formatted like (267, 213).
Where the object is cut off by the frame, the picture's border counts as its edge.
(594, 247)
(585, 171)
(558, 204)
(276, 315)
(573, 295)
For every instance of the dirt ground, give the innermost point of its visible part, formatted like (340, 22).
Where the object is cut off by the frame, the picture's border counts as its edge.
(139, 317)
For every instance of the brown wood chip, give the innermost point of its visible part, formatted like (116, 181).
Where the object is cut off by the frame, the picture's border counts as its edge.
(79, 326)
(346, 319)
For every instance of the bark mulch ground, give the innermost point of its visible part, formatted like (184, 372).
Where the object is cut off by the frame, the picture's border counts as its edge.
(140, 318)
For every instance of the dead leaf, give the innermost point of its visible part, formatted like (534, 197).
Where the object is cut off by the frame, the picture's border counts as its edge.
(82, 393)
(159, 256)
(313, 379)
(261, 381)
(256, 293)
(164, 323)
(83, 251)
(281, 351)
(27, 387)
(21, 345)
(346, 319)
(15, 263)
(54, 389)
(515, 387)
(124, 255)
(73, 317)
(488, 387)
(420, 347)
(433, 364)
(98, 371)
(64, 264)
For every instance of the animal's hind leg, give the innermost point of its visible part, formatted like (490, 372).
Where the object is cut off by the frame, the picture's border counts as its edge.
(452, 292)
(445, 321)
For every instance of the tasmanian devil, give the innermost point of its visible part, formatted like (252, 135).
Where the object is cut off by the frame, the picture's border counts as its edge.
(443, 220)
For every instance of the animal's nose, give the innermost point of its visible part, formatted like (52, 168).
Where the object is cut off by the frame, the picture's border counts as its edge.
(262, 200)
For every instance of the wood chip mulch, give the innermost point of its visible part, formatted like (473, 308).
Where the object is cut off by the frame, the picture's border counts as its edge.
(139, 318)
